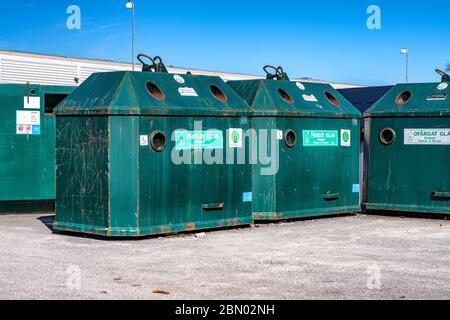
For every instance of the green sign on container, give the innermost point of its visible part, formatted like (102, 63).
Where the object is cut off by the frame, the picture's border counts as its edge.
(199, 140)
(320, 138)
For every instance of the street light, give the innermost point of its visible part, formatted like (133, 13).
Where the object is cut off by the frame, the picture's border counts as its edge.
(130, 5)
(405, 52)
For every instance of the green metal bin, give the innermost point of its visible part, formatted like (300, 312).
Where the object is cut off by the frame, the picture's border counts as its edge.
(407, 150)
(315, 132)
(27, 146)
(141, 153)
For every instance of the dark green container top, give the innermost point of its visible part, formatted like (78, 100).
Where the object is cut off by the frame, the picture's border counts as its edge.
(420, 100)
(147, 93)
(294, 99)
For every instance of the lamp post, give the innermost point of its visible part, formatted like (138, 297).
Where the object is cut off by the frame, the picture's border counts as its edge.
(405, 52)
(130, 5)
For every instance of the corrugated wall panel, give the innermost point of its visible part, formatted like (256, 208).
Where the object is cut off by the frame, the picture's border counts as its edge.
(49, 70)
(46, 73)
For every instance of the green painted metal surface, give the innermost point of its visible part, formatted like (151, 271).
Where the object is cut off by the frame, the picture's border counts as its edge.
(112, 181)
(407, 168)
(27, 146)
(319, 175)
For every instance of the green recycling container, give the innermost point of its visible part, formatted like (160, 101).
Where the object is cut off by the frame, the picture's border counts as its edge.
(27, 146)
(143, 153)
(407, 150)
(314, 137)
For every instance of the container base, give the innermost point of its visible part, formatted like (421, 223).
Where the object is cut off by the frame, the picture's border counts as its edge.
(404, 210)
(152, 230)
(27, 207)
(290, 215)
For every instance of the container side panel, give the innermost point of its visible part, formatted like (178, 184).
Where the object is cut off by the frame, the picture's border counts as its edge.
(82, 174)
(319, 175)
(124, 155)
(181, 190)
(264, 185)
(413, 172)
(26, 150)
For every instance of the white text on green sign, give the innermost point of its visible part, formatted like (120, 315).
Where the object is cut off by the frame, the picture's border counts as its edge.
(320, 138)
(199, 140)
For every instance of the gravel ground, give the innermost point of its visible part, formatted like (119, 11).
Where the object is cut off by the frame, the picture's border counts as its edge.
(356, 257)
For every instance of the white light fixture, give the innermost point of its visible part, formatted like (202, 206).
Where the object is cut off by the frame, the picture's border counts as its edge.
(129, 5)
(404, 51)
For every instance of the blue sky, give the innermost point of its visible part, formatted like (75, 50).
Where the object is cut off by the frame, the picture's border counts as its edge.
(320, 39)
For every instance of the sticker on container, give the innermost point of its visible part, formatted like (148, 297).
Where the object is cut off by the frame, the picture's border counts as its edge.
(28, 117)
(32, 102)
(356, 188)
(300, 86)
(346, 138)
(437, 97)
(143, 141)
(427, 136)
(279, 135)
(235, 138)
(179, 79)
(24, 129)
(28, 123)
(247, 197)
(310, 98)
(36, 130)
(198, 140)
(320, 138)
(443, 86)
(188, 92)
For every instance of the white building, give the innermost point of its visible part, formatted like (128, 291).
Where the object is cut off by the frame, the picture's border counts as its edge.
(20, 67)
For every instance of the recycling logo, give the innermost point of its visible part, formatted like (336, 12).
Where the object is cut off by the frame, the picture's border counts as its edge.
(345, 138)
(235, 138)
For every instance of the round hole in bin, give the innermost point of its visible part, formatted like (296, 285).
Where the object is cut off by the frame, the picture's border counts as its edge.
(158, 141)
(218, 94)
(33, 91)
(285, 96)
(403, 98)
(154, 91)
(290, 138)
(332, 99)
(387, 136)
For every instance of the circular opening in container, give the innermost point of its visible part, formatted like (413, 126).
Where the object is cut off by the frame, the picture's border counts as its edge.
(218, 94)
(285, 96)
(154, 91)
(387, 136)
(33, 91)
(403, 98)
(332, 99)
(290, 138)
(158, 141)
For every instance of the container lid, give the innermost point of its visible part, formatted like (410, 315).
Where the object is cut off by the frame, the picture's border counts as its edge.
(294, 99)
(153, 93)
(420, 99)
